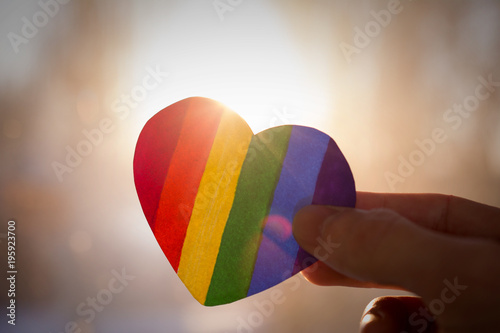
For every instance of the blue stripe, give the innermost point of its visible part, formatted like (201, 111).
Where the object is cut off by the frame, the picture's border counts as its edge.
(278, 248)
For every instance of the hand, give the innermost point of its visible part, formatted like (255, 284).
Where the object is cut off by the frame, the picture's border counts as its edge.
(443, 248)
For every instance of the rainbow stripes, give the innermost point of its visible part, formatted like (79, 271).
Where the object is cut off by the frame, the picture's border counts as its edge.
(220, 200)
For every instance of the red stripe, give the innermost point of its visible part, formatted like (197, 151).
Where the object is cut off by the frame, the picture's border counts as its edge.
(184, 175)
(153, 153)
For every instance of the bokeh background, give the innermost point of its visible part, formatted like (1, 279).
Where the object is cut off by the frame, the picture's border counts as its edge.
(274, 62)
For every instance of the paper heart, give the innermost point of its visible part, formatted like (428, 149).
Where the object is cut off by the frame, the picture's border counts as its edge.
(221, 200)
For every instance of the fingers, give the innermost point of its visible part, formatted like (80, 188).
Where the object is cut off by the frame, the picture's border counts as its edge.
(382, 247)
(397, 314)
(322, 275)
(443, 213)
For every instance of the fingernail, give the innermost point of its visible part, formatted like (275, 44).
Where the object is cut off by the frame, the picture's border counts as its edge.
(308, 223)
(373, 321)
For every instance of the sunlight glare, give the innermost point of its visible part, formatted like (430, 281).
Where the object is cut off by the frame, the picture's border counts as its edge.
(233, 68)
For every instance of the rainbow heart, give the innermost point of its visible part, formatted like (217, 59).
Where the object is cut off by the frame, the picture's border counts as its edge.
(220, 200)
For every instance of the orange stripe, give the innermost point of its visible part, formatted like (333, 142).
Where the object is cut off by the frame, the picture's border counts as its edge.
(184, 175)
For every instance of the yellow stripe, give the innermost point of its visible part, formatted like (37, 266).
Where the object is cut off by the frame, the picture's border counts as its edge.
(213, 204)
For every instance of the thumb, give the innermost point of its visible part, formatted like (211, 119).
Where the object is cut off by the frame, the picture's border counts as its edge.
(379, 246)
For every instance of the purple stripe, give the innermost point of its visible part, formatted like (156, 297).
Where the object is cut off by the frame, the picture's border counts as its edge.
(303, 260)
(334, 187)
(296, 187)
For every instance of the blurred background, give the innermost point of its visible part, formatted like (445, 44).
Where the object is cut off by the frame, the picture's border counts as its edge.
(376, 83)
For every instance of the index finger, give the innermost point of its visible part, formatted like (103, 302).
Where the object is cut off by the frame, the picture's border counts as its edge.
(444, 213)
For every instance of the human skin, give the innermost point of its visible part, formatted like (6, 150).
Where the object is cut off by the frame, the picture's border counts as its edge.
(444, 249)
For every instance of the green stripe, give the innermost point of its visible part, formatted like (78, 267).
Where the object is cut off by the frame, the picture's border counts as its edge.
(253, 198)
